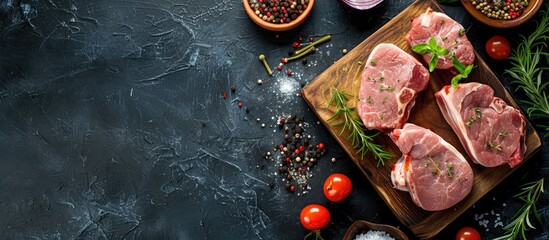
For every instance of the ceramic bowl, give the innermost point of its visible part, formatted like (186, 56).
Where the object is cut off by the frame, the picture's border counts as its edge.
(362, 226)
(278, 26)
(528, 13)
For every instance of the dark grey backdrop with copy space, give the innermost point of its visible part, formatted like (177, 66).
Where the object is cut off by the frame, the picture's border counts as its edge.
(113, 123)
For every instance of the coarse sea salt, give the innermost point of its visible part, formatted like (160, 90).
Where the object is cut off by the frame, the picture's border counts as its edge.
(374, 235)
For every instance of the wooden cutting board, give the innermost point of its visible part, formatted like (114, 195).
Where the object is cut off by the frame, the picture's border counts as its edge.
(345, 75)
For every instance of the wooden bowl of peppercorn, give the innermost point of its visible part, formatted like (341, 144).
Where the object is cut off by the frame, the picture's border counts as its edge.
(278, 15)
(509, 13)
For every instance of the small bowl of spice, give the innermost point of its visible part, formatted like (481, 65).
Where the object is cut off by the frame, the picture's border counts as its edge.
(364, 230)
(502, 13)
(278, 15)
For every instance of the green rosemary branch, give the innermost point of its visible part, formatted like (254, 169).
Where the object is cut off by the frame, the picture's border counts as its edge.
(521, 220)
(359, 139)
(527, 69)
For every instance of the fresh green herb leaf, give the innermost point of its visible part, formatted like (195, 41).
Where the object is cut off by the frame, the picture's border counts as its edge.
(521, 220)
(463, 70)
(442, 51)
(433, 62)
(421, 48)
(450, 167)
(527, 69)
(489, 145)
(457, 64)
(361, 141)
(432, 43)
(431, 47)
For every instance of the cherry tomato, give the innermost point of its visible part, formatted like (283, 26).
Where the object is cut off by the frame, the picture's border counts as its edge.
(498, 47)
(337, 187)
(468, 233)
(314, 217)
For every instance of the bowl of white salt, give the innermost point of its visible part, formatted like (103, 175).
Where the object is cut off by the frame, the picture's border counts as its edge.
(364, 230)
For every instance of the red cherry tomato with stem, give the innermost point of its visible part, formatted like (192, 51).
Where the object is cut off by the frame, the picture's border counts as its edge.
(468, 233)
(498, 47)
(337, 187)
(314, 217)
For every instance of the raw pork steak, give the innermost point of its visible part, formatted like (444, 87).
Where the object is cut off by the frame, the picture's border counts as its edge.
(432, 170)
(447, 32)
(492, 132)
(390, 82)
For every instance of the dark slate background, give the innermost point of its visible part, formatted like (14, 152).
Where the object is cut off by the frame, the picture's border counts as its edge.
(113, 124)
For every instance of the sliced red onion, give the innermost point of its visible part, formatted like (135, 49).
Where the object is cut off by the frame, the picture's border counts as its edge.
(361, 4)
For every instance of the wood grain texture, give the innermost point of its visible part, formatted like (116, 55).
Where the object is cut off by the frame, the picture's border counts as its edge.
(345, 74)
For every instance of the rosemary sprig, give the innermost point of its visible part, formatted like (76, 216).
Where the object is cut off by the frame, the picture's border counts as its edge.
(521, 220)
(527, 69)
(359, 139)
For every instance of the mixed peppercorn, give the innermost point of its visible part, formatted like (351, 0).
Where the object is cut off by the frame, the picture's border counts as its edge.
(278, 11)
(501, 9)
(296, 154)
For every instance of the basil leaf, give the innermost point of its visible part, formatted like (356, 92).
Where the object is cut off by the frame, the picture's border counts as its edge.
(442, 51)
(462, 69)
(433, 62)
(468, 70)
(455, 80)
(433, 43)
(458, 65)
(421, 48)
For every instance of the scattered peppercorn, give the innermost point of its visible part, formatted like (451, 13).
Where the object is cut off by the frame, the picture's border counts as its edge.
(224, 95)
(259, 81)
(304, 61)
(240, 104)
(279, 68)
(289, 72)
(233, 88)
(296, 155)
(320, 146)
(344, 51)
